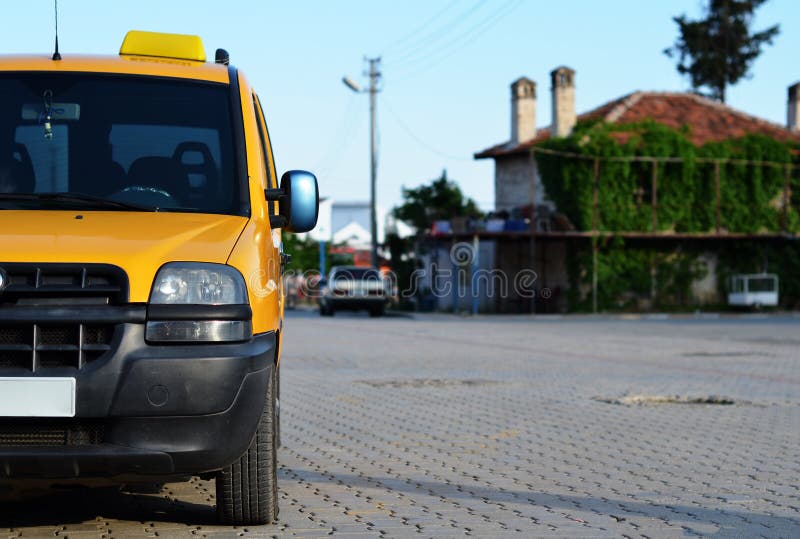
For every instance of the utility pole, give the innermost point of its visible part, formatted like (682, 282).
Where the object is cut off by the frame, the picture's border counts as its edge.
(374, 77)
(374, 74)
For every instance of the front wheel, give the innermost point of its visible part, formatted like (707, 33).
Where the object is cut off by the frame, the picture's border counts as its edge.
(247, 490)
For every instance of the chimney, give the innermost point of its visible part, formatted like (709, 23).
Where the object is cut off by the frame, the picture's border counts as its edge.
(523, 110)
(562, 80)
(793, 108)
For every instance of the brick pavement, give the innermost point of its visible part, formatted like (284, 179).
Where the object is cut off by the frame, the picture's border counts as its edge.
(492, 427)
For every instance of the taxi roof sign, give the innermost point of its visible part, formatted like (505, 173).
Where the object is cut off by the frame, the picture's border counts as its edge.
(179, 46)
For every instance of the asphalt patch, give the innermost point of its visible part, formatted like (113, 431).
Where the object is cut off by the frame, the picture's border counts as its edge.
(722, 354)
(645, 400)
(426, 382)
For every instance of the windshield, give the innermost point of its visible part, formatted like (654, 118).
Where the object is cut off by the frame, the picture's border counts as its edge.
(143, 142)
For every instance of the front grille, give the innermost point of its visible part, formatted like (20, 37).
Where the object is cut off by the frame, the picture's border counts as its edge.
(67, 432)
(40, 346)
(31, 342)
(63, 284)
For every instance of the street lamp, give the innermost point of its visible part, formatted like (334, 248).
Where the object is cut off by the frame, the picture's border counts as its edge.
(350, 83)
(374, 76)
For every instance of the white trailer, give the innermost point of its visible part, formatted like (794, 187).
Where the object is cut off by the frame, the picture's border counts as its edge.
(753, 290)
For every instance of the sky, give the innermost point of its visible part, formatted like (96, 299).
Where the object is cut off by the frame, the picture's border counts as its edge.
(446, 64)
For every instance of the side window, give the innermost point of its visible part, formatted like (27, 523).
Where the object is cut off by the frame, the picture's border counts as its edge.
(265, 148)
(272, 181)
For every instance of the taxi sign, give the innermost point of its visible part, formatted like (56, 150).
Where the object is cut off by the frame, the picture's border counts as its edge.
(179, 46)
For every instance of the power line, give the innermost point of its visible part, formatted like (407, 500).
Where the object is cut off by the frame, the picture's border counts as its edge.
(419, 141)
(348, 127)
(416, 31)
(342, 125)
(455, 45)
(413, 52)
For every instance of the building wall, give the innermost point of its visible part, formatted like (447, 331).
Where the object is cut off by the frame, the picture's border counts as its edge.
(551, 277)
(452, 285)
(551, 267)
(513, 258)
(512, 182)
(506, 281)
(704, 291)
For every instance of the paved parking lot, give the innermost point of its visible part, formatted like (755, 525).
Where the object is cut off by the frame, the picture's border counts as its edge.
(492, 427)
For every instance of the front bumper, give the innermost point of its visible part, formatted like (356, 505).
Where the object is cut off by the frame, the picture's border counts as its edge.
(164, 409)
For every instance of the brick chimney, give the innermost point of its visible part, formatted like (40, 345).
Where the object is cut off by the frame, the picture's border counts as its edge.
(562, 81)
(523, 110)
(793, 108)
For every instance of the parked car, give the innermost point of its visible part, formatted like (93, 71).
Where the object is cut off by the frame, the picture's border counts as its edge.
(141, 232)
(353, 288)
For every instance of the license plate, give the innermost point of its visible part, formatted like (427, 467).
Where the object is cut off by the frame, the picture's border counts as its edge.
(37, 397)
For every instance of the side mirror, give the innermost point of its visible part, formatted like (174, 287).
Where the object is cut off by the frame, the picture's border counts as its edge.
(298, 201)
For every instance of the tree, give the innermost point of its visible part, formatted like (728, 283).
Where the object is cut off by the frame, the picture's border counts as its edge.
(305, 254)
(719, 50)
(303, 250)
(441, 199)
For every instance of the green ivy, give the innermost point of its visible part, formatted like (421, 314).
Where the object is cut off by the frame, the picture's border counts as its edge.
(751, 201)
(631, 278)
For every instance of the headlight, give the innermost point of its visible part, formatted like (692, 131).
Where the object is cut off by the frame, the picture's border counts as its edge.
(194, 283)
(195, 304)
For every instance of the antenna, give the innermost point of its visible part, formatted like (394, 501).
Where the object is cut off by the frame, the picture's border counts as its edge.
(56, 54)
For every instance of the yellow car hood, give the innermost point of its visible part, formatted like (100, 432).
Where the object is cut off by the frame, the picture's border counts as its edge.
(138, 242)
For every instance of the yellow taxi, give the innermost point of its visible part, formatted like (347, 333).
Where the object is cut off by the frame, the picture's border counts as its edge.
(140, 273)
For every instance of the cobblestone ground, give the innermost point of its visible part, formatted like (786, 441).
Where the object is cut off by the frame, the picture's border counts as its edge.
(495, 427)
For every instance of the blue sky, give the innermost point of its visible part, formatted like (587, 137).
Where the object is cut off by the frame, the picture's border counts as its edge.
(447, 69)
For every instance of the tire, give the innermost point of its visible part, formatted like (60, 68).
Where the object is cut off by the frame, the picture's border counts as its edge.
(278, 406)
(247, 490)
(376, 312)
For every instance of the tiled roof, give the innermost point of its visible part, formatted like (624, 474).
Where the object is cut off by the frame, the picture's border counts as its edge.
(707, 120)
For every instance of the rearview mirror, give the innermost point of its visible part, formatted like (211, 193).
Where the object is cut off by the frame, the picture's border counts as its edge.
(298, 201)
(58, 111)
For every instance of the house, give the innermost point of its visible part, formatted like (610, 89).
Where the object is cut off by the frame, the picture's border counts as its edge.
(519, 187)
(708, 120)
(346, 226)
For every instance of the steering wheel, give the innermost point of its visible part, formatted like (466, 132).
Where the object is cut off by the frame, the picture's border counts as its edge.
(145, 196)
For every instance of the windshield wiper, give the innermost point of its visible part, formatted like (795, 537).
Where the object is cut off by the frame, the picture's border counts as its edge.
(79, 198)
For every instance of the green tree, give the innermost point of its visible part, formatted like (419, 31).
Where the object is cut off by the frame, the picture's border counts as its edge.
(718, 50)
(441, 199)
(304, 252)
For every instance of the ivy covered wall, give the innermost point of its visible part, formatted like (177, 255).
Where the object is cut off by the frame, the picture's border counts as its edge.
(752, 187)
